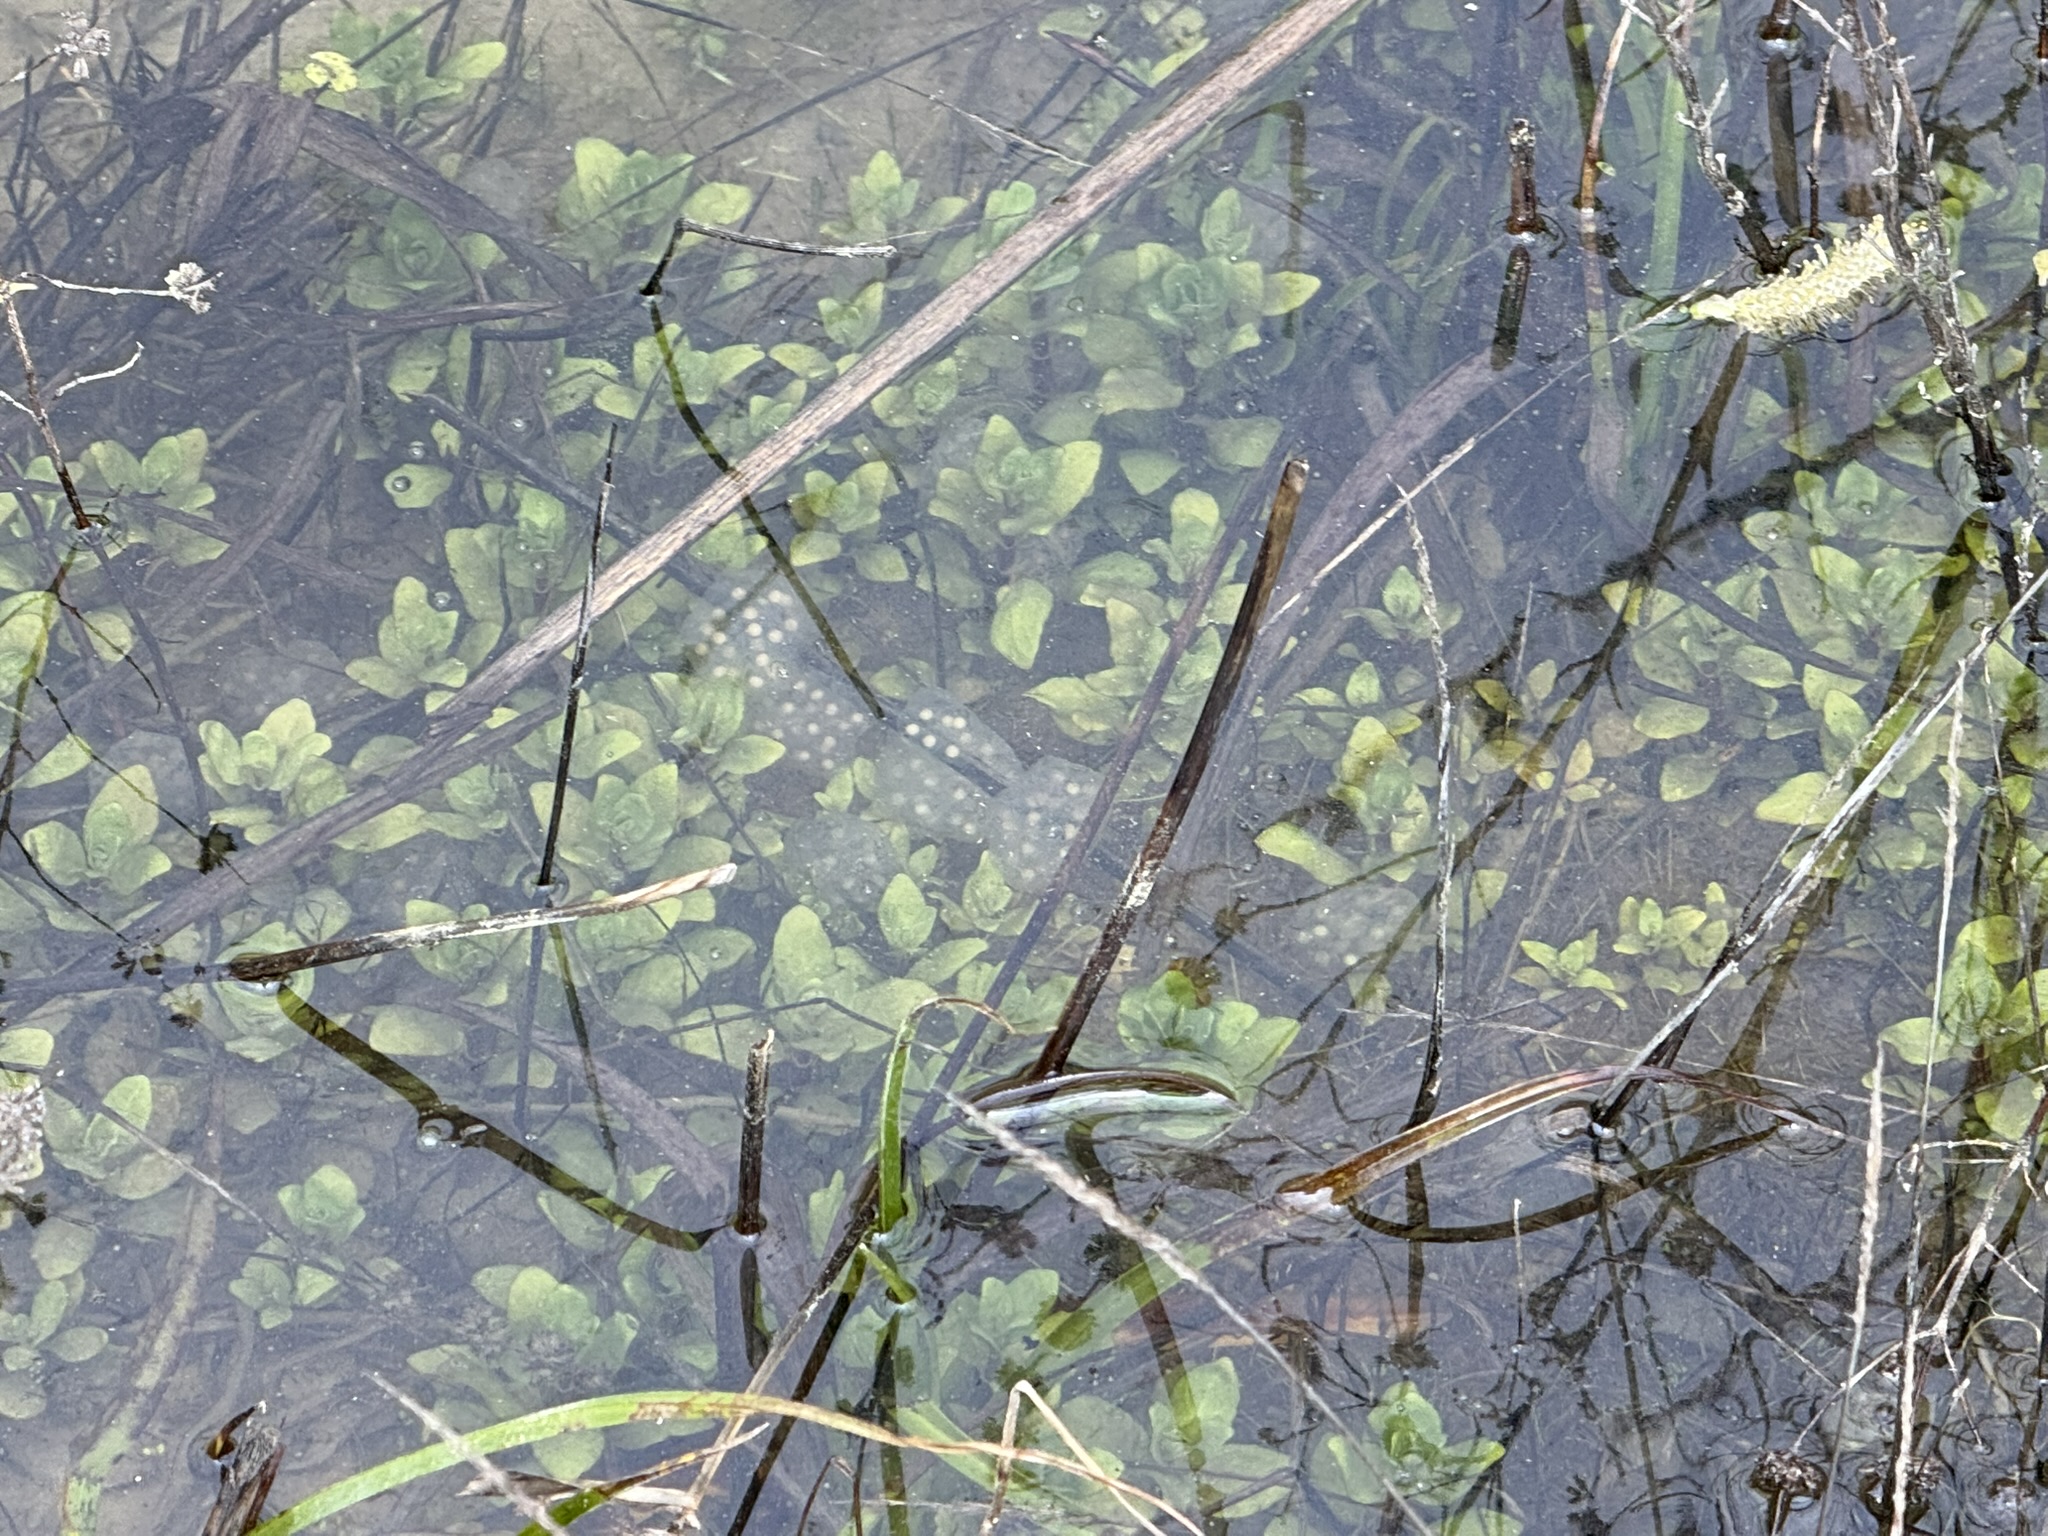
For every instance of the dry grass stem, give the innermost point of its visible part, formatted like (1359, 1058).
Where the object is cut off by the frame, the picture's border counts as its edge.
(1163, 1249)
(488, 1472)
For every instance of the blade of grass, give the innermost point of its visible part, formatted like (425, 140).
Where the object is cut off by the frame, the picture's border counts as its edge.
(669, 1409)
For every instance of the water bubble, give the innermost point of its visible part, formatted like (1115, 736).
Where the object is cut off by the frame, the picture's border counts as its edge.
(518, 426)
(416, 450)
(435, 1131)
(443, 600)
(400, 484)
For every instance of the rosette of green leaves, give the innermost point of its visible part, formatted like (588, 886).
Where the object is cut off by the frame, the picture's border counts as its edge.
(172, 473)
(381, 70)
(828, 511)
(1143, 306)
(1014, 489)
(1676, 945)
(806, 967)
(1413, 1457)
(408, 261)
(1169, 1025)
(413, 645)
(555, 1341)
(619, 208)
(104, 1147)
(324, 1208)
(33, 1323)
(112, 847)
(285, 756)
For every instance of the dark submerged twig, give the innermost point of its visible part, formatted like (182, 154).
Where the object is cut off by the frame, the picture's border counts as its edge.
(747, 1219)
(546, 877)
(462, 1128)
(1180, 794)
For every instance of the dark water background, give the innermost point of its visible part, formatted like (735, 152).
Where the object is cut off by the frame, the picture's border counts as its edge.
(1674, 587)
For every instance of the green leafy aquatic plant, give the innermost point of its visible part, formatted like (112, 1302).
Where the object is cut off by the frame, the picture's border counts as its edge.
(285, 756)
(396, 81)
(114, 844)
(412, 647)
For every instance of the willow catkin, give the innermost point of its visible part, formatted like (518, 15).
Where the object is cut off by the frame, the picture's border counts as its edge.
(1832, 286)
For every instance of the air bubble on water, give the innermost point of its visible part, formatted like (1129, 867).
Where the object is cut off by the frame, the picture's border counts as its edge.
(435, 1131)
(400, 484)
(416, 450)
(443, 600)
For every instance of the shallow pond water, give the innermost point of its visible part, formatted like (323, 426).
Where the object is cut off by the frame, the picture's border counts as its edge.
(1640, 669)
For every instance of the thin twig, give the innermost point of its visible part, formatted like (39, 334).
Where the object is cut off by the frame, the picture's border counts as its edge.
(793, 247)
(747, 1220)
(487, 1470)
(1431, 1087)
(275, 966)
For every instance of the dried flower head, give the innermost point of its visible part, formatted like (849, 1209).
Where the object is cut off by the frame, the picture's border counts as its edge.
(188, 284)
(82, 43)
(21, 1131)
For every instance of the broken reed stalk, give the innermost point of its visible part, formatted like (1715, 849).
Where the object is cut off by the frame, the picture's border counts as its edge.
(747, 1220)
(1194, 762)
(1930, 274)
(546, 877)
(249, 1455)
(1431, 1087)
(282, 963)
(1524, 225)
(1675, 28)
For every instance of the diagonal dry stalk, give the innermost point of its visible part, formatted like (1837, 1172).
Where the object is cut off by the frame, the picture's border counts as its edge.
(1926, 263)
(1105, 1210)
(489, 1473)
(1060, 218)
(1663, 1046)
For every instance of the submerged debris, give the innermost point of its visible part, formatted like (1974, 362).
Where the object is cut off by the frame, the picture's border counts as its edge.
(1839, 280)
(21, 1131)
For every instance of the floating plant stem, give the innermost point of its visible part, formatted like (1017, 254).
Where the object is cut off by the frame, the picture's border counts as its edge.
(279, 964)
(1194, 763)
